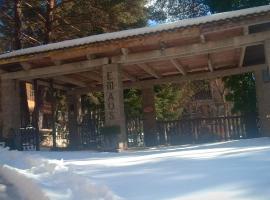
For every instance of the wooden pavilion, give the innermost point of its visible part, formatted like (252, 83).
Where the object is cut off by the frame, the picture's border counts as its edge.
(195, 49)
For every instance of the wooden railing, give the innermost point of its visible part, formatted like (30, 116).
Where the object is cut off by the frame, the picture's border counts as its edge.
(90, 130)
(27, 139)
(202, 130)
(185, 131)
(135, 132)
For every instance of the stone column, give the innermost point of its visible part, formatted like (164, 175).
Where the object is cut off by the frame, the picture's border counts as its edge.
(263, 102)
(149, 116)
(114, 108)
(74, 113)
(10, 105)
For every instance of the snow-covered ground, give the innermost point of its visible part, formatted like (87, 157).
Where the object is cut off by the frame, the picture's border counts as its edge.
(235, 170)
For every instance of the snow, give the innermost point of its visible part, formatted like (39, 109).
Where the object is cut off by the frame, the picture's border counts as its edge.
(137, 32)
(234, 170)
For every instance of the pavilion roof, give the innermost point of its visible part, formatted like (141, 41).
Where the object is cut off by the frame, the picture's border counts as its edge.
(102, 38)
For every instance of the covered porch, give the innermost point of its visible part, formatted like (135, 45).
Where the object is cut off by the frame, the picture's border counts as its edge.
(196, 49)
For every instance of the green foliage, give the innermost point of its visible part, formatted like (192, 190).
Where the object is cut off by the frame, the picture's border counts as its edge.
(167, 98)
(171, 10)
(133, 103)
(70, 19)
(242, 87)
(92, 101)
(61, 111)
(242, 92)
(170, 100)
(228, 5)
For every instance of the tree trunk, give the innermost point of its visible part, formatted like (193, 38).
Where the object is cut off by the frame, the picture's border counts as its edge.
(18, 24)
(49, 21)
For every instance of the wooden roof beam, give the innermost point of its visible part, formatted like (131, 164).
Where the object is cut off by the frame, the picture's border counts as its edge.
(210, 63)
(243, 49)
(26, 66)
(242, 56)
(54, 71)
(148, 70)
(70, 80)
(178, 66)
(90, 56)
(267, 53)
(2, 71)
(92, 75)
(195, 49)
(181, 79)
(129, 76)
(202, 38)
(56, 86)
(195, 76)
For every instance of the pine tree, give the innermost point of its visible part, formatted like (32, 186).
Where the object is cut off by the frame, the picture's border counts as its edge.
(11, 24)
(171, 10)
(34, 22)
(229, 5)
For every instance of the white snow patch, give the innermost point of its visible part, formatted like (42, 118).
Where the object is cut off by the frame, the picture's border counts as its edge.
(33, 176)
(26, 188)
(137, 32)
(234, 170)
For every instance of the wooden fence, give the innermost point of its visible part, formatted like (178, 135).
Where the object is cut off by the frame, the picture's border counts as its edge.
(135, 132)
(90, 130)
(202, 130)
(185, 131)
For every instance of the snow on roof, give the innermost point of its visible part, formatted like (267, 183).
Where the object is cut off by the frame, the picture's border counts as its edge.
(136, 32)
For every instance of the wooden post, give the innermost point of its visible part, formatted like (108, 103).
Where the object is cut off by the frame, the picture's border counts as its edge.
(53, 102)
(36, 114)
(149, 116)
(263, 102)
(10, 104)
(263, 93)
(74, 113)
(114, 107)
(267, 54)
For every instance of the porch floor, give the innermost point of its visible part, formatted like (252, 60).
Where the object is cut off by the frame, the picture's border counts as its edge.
(234, 170)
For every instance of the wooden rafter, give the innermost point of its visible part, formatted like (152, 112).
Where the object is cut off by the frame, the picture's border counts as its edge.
(243, 49)
(92, 76)
(210, 63)
(195, 49)
(70, 80)
(55, 85)
(56, 70)
(197, 76)
(57, 62)
(202, 38)
(26, 66)
(129, 76)
(148, 70)
(177, 79)
(178, 66)
(267, 53)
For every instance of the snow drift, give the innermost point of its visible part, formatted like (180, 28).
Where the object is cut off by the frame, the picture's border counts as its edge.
(36, 178)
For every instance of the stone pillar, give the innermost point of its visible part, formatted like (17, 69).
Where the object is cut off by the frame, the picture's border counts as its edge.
(263, 102)
(10, 105)
(74, 113)
(114, 108)
(149, 116)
